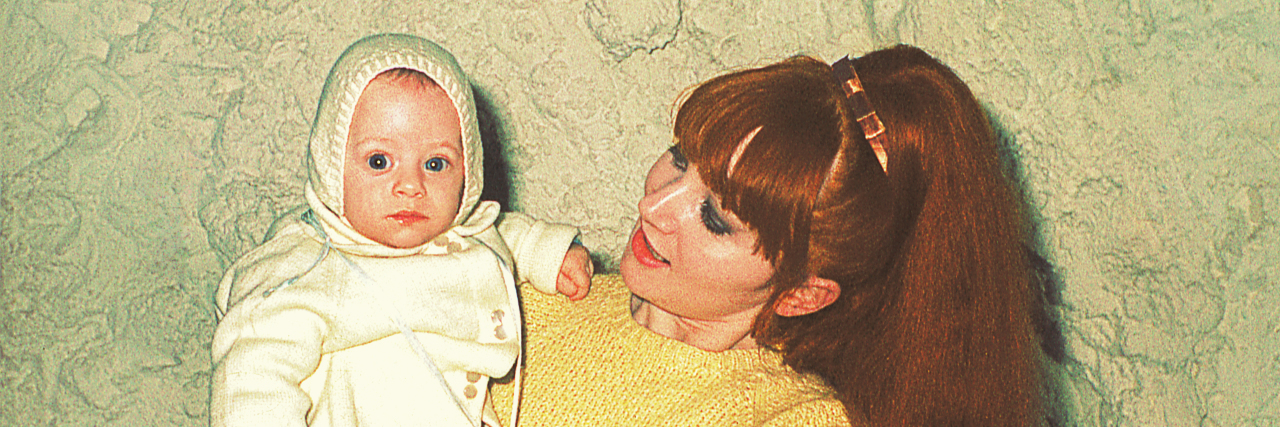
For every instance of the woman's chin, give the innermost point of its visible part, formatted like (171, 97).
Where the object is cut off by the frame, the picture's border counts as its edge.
(627, 265)
(632, 271)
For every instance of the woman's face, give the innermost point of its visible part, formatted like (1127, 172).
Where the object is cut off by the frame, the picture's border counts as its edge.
(688, 256)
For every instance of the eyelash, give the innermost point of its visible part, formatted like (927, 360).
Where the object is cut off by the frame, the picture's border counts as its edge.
(678, 159)
(712, 220)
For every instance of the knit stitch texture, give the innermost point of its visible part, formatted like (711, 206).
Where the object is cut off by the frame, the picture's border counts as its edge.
(590, 364)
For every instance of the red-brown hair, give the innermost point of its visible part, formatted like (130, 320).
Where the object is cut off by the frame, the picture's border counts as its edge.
(932, 326)
(396, 75)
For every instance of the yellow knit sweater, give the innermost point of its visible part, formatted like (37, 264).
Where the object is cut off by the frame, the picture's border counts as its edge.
(590, 364)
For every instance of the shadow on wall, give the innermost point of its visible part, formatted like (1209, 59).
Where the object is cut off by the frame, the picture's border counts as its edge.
(1045, 284)
(497, 173)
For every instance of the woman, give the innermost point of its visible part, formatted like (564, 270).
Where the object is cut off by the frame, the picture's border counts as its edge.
(795, 265)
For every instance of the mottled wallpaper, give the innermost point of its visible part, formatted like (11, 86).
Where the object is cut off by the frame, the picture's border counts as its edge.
(145, 145)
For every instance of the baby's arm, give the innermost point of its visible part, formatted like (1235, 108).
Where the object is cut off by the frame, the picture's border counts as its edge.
(546, 255)
(262, 350)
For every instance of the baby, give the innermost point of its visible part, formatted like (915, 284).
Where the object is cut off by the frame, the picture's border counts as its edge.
(392, 300)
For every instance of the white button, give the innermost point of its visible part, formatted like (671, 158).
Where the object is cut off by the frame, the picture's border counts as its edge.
(473, 377)
(470, 391)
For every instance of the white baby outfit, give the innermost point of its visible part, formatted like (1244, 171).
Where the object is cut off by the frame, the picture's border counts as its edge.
(322, 326)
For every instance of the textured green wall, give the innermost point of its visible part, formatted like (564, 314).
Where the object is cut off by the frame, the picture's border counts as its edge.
(146, 144)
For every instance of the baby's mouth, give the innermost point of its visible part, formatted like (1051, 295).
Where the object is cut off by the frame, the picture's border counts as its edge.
(407, 217)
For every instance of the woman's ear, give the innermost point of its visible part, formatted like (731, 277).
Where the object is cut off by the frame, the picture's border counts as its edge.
(814, 294)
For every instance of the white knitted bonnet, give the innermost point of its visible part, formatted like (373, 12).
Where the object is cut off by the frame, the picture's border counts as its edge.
(360, 63)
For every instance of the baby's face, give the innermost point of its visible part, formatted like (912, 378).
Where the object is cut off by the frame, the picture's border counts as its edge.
(404, 168)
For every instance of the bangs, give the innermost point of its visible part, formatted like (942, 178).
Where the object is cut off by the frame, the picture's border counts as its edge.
(418, 78)
(776, 179)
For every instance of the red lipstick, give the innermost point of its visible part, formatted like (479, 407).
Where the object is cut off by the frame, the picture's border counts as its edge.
(644, 253)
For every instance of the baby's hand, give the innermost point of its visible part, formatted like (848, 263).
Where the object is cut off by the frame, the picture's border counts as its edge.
(575, 273)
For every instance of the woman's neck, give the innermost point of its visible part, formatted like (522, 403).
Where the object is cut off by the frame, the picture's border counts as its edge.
(731, 333)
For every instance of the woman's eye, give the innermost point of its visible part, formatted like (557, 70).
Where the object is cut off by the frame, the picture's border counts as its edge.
(678, 159)
(436, 164)
(713, 221)
(379, 162)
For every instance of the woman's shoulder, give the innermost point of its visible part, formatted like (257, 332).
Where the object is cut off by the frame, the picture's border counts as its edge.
(784, 396)
(819, 412)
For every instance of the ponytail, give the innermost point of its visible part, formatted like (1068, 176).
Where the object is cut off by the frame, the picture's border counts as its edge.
(941, 334)
(932, 324)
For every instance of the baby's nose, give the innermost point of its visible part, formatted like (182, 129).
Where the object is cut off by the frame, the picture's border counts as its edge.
(409, 186)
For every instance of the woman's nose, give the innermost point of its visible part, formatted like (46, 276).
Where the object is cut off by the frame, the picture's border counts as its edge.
(661, 205)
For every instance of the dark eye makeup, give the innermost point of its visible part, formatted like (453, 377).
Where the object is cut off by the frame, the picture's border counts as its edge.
(678, 159)
(711, 219)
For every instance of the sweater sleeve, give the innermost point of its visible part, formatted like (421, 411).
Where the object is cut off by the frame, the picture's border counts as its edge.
(263, 349)
(539, 248)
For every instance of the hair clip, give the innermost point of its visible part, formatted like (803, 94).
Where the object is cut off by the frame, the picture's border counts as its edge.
(844, 75)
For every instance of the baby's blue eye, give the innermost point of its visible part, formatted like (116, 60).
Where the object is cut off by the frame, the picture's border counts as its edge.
(436, 164)
(379, 162)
